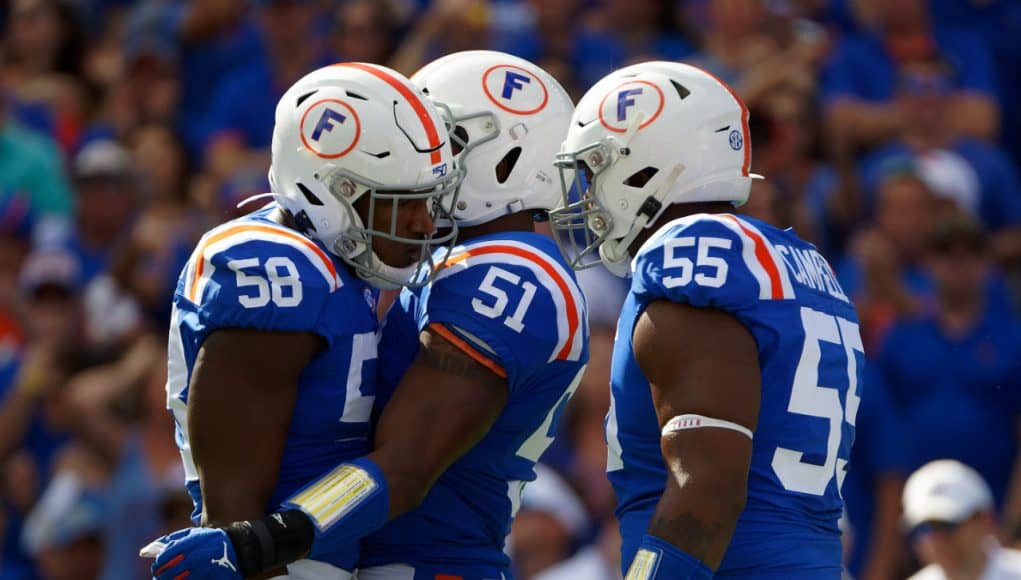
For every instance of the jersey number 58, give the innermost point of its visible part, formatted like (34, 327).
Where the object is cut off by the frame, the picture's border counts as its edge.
(280, 283)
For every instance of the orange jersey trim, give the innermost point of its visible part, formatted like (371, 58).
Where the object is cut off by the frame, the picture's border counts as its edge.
(201, 254)
(468, 349)
(572, 310)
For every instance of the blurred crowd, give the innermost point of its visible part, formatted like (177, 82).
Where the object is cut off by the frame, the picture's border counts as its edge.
(889, 133)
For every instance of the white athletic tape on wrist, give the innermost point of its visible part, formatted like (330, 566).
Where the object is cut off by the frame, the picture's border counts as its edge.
(335, 495)
(643, 567)
(693, 421)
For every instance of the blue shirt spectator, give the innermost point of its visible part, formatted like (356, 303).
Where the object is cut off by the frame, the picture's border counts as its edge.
(244, 107)
(244, 104)
(999, 23)
(860, 81)
(621, 32)
(597, 53)
(955, 375)
(999, 195)
(862, 65)
(960, 395)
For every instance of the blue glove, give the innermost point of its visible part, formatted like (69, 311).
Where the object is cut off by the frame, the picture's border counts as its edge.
(196, 554)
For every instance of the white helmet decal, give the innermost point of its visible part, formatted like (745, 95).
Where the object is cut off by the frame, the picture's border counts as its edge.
(628, 100)
(514, 89)
(330, 128)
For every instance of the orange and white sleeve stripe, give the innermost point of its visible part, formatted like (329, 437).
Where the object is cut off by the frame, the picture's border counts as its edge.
(200, 268)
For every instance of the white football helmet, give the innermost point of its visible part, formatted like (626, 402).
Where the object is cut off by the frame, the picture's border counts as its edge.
(354, 129)
(508, 117)
(643, 138)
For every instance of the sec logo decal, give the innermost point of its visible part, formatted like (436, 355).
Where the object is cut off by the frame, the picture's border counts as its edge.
(514, 89)
(330, 128)
(622, 104)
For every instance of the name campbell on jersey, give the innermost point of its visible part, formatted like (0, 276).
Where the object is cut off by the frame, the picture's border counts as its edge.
(255, 273)
(509, 301)
(811, 357)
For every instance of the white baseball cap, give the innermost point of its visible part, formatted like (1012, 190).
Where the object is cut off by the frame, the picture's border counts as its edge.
(944, 491)
(549, 493)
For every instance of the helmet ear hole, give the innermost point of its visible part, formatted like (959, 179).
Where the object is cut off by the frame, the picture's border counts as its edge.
(682, 91)
(304, 98)
(506, 165)
(309, 196)
(641, 177)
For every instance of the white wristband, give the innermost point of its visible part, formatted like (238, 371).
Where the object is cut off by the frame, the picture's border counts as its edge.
(692, 421)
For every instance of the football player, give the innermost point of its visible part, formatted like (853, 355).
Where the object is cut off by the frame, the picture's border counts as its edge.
(737, 363)
(477, 366)
(272, 356)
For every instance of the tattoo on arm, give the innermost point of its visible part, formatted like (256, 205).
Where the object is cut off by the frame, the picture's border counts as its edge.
(442, 356)
(699, 538)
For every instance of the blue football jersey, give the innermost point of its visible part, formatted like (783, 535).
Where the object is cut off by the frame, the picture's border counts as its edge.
(810, 353)
(511, 302)
(255, 273)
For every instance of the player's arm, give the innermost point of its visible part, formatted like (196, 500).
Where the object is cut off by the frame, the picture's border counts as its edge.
(445, 403)
(699, 362)
(241, 396)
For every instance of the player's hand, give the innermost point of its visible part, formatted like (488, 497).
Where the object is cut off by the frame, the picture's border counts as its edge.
(193, 553)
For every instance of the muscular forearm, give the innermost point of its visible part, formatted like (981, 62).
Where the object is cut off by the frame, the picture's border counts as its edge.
(706, 491)
(700, 508)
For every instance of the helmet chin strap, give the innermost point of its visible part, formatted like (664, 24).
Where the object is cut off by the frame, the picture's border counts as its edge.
(255, 197)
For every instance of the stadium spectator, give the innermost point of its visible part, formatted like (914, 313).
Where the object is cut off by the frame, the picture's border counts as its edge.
(146, 88)
(106, 199)
(542, 31)
(999, 22)
(444, 27)
(217, 38)
(883, 271)
(622, 32)
(548, 525)
(955, 374)
(34, 422)
(33, 410)
(167, 228)
(45, 43)
(65, 530)
(130, 440)
(756, 52)
(364, 31)
(30, 163)
(949, 509)
(238, 123)
(926, 89)
(860, 80)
